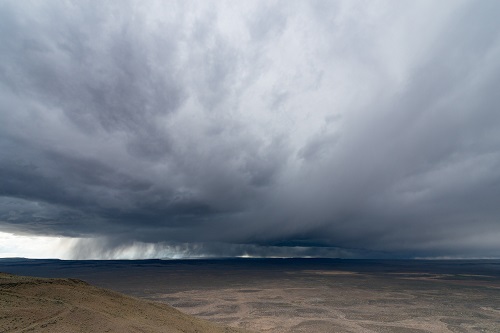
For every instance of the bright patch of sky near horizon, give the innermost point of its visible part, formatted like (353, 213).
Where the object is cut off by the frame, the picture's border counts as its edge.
(35, 247)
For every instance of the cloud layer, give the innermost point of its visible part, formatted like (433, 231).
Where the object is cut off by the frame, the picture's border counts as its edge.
(356, 127)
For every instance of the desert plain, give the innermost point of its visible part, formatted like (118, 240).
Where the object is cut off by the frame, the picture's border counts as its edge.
(301, 295)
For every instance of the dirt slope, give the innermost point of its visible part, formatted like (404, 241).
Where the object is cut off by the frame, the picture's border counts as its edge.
(29, 304)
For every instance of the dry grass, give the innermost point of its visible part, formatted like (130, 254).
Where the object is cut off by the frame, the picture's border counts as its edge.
(30, 304)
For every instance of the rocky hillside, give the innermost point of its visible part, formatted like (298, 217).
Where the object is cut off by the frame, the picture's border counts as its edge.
(29, 304)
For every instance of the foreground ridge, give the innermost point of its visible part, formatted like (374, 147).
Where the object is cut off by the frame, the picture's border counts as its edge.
(30, 304)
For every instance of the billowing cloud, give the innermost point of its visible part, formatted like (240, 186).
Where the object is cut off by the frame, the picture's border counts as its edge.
(341, 128)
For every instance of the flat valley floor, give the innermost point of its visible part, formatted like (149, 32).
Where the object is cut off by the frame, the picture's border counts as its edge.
(304, 295)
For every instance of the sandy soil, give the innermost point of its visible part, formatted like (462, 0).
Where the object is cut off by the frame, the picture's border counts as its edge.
(324, 301)
(30, 304)
(301, 295)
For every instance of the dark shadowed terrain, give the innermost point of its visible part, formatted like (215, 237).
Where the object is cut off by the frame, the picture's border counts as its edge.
(304, 295)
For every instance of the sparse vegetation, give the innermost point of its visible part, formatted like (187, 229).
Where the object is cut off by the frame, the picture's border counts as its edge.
(29, 304)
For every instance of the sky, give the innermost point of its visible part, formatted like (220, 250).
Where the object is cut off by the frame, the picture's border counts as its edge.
(173, 129)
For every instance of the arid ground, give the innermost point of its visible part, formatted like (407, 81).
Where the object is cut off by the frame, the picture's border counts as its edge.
(29, 304)
(316, 295)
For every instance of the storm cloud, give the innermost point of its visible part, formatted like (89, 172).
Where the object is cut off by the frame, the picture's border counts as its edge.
(303, 128)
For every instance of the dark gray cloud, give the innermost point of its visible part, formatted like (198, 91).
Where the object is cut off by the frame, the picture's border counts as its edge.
(292, 128)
